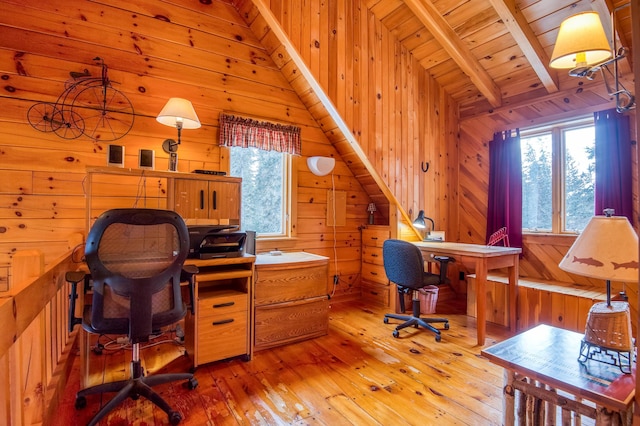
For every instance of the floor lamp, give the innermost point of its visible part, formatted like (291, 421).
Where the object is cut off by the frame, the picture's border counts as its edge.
(607, 249)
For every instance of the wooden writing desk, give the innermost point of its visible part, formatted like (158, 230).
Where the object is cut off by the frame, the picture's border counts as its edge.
(549, 356)
(481, 259)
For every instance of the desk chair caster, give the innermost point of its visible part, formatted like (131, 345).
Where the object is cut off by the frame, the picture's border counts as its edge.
(192, 383)
(396, 332)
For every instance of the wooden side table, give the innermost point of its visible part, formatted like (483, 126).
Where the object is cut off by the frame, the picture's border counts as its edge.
(543, 374)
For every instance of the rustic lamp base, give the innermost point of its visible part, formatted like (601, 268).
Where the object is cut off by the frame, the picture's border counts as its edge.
(607, 336)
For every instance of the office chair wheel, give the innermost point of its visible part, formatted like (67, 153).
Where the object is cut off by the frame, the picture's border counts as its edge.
(438, 337)
(174, 417)
(446, 325)
(81, 402)
(396, 333)
(192, 383)
(386, 320)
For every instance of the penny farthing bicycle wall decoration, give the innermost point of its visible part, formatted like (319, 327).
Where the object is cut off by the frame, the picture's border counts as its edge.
(88, 106)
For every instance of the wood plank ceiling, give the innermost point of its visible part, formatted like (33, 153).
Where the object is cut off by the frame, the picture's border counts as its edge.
(493, 55)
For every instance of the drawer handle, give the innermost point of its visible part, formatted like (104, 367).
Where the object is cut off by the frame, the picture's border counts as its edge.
(224, 321)
(224, 305)
(375, 293)
(374, 273)
(374, 255)
(374, 238)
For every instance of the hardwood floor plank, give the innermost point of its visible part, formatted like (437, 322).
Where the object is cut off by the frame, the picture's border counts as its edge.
(358, 374)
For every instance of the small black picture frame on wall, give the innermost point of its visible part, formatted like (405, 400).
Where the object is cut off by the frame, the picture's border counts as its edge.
(146, 159)
(115, 155)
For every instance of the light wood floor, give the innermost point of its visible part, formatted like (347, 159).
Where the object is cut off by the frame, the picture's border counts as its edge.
(356, 375)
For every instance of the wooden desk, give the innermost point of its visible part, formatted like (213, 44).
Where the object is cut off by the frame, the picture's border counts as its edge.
(549, 355)
(481, 259)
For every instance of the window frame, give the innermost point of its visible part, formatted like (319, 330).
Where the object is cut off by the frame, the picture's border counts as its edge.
(290, 199)
(557, 130)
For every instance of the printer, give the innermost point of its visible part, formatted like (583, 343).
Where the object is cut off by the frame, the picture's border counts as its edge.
(215, 241)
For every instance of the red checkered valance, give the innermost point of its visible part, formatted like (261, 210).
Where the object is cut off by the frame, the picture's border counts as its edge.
(249, 133)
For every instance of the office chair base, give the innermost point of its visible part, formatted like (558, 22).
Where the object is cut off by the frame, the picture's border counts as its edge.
(410, 320)
(134, 388)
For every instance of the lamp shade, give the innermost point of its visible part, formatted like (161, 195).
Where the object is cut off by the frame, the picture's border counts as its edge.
(419, 221)
(581, 42)
(607, 249)
(321, 166)
(179, 112)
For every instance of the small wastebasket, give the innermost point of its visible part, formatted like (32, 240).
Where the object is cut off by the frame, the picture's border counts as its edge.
(428, 299)
(408, 304)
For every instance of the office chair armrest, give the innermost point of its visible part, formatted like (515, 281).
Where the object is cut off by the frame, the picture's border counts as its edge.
(442, 259)
(73, 278)
(188, 274)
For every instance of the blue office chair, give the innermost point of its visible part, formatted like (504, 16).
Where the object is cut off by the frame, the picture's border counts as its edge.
(404, 266)
(135, 259)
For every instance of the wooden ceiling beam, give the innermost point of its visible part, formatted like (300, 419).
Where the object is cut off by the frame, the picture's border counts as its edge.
(426, 12)
(524, 36)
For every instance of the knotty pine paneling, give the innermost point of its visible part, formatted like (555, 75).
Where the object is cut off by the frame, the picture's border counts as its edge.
(154, 50)
(397, 112)
(541, 252)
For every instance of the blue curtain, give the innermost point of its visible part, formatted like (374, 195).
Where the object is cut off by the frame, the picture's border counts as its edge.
(613, 164)
(505, 186)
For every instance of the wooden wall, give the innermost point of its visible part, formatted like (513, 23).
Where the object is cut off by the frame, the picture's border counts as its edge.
(399, 115)
(207, 53)
(154, 50)
(541, 252)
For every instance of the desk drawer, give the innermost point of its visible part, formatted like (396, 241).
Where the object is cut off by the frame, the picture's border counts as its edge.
(222, 336)
(372, 255)
(374, 237)
(219, 303)
(374, 273)
(376, 294)
(285, 285)
(289, 322)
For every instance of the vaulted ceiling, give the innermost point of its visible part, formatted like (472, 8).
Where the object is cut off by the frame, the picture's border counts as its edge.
(493, 54)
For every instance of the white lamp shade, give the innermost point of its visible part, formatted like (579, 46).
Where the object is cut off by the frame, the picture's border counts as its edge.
(178, 110)
(607, 249)
(580, 33)
(321, 166)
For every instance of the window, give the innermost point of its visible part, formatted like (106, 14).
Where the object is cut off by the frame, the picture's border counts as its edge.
(558, 176)
(265, 189)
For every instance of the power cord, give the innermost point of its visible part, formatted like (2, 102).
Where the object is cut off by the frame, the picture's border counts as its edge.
(114, 344)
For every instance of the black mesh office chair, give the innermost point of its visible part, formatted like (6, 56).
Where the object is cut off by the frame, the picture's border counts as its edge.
(135, 259)
(404, 266)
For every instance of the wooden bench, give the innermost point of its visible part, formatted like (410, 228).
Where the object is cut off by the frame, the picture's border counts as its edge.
(557, 303)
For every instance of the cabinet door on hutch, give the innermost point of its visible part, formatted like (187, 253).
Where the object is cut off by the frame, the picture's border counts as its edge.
(191, 198)
(217, 201)
(224, 200)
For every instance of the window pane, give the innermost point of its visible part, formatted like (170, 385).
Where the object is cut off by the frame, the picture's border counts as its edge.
(579, 177)
(263, 201)
(536, 182)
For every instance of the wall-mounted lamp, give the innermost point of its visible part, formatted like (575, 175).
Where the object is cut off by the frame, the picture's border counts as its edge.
(321, 166)
(583, 48)
(178, 113)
